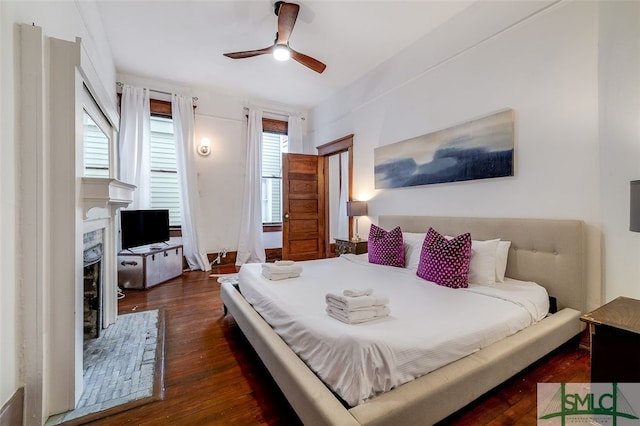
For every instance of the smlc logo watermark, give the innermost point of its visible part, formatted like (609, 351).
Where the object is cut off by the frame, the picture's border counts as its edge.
(615, 404)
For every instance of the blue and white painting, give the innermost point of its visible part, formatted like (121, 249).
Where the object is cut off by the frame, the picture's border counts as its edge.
(478, 149)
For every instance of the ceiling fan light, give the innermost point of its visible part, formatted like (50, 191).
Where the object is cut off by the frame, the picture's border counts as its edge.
(281, 53)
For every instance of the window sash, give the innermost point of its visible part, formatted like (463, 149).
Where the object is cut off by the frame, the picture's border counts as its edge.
(96, 149)
(165, 187)
(273, 145)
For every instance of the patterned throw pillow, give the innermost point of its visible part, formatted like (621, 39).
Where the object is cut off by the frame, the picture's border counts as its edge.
(386, 247)
(445, 262)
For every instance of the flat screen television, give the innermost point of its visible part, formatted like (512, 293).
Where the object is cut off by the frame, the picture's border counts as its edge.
(142, 227)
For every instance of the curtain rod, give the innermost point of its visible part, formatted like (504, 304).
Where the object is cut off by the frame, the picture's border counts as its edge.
(275, 112)
(121, 84)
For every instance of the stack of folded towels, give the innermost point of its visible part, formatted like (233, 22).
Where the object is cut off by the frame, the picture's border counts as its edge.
(357, 306)
(281, 269)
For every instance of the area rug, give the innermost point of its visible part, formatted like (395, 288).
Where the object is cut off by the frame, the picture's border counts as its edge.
(123, 368)
(227, 278)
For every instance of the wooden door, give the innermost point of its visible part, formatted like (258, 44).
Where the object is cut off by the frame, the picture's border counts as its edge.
(303, 207)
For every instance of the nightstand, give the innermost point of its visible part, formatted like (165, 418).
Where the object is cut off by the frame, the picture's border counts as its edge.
(614, 329)
(353, 247)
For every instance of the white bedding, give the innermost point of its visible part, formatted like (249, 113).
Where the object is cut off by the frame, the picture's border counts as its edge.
(429, 326)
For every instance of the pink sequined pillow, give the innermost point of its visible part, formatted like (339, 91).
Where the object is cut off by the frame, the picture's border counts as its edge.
(445, 262)
(386, 247)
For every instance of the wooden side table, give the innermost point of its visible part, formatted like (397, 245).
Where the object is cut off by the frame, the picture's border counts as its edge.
(353, 247)
(614, 331)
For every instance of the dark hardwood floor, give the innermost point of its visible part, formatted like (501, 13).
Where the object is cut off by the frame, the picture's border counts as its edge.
(213, 377)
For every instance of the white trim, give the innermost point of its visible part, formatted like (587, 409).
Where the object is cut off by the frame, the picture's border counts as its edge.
(33, 219)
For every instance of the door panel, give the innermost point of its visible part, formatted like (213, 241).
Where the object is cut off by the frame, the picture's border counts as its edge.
(303, 206)
(302, 225)
(297, 186)
(309, 207)
(305, 246)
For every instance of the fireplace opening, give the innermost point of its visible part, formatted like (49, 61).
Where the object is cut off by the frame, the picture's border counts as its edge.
(92, 258)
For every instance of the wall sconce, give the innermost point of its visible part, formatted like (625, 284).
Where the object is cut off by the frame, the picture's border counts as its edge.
(356, 209)
(634, 202)
(204, 148)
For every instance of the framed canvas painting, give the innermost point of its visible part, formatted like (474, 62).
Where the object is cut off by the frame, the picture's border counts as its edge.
(478, 149)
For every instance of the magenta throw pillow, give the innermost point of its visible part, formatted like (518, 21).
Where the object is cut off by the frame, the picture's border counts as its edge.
(445, 262)
(386, 247)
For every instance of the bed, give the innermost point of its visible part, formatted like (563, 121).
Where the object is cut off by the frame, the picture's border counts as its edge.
(548, 252)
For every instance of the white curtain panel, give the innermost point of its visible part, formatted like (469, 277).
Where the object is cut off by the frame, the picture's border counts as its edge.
(343, 220)
(134, 144)
(250, 244)
(295, 135)
(184, 134)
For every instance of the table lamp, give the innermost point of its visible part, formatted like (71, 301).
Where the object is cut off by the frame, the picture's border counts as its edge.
(356, 209)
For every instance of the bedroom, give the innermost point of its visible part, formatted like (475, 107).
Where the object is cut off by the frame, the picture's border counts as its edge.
(570, 72)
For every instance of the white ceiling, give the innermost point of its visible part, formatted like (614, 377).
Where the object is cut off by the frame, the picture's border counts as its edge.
(182, 42)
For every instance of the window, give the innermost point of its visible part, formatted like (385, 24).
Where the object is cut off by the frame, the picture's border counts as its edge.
(163, 173)
(274, 143)
(96, 149)
(96, 135)
(165, 189)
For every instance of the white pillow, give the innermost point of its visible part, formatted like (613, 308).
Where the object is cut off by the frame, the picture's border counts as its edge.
(412, 249)
(502, 253)
(482, 268)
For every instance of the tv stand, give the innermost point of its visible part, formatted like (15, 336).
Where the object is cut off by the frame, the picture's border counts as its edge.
(148, 266)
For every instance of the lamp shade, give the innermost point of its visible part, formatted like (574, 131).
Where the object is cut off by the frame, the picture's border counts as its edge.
(356, 208)
(634, 211)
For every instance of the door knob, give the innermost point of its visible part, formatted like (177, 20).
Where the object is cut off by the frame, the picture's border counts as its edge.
(286, 217)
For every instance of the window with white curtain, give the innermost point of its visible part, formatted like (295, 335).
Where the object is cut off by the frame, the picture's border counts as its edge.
(273, 145)
(165, 190)
(275, 142)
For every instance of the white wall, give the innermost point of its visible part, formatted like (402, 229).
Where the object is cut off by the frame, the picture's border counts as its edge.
(220, 117)
(619, 92)
(221, 179)
(544, 65)
(64, 20)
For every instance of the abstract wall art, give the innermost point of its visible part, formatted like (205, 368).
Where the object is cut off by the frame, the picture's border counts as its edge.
(478, 149)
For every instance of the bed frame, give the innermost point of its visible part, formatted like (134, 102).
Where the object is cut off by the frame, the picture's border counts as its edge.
(549, 252)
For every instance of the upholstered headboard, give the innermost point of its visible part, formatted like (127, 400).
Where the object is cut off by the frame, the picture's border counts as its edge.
(547, 251)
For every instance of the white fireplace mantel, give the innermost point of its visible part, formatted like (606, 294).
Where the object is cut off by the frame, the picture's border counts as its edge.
(105, 193)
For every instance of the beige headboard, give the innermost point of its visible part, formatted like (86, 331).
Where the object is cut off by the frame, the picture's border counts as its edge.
(547, 251)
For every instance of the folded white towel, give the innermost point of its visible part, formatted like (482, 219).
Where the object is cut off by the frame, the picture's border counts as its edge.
(284, 262)
(275, 272)
(282, 269)
(348, 302)
(377, 309)
(356, 317)
(276, 277)
(353, 292)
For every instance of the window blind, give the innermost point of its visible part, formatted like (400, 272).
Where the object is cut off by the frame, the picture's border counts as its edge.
(165, 190)
(96, 149)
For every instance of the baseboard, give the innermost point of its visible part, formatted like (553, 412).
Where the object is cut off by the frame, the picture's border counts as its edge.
(272, 254)
(11, 413)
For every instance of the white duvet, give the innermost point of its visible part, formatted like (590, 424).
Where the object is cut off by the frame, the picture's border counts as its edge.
(429, 326)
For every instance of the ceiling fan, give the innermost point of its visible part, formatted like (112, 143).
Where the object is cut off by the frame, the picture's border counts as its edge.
(287, 14)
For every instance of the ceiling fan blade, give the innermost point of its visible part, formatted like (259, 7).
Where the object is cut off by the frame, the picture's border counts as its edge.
(249, 53)
(287, 15)
(308, 61)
